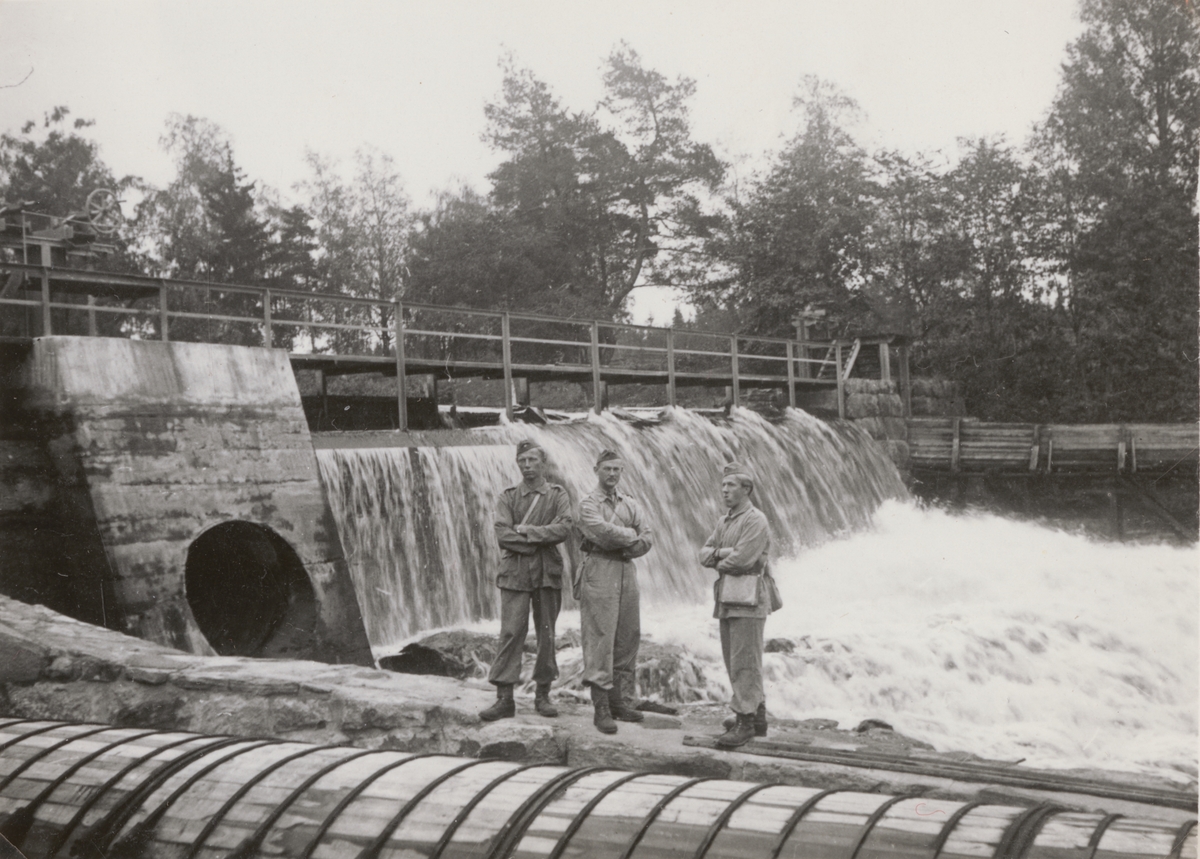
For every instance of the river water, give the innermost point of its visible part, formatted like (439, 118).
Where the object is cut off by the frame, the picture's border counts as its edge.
(988, 635)
(971, 632)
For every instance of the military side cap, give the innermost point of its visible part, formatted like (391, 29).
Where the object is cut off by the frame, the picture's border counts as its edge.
(528, 444)
(606, 455)
(736, 469)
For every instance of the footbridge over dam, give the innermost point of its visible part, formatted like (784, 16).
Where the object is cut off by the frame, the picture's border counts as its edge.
(345, 335)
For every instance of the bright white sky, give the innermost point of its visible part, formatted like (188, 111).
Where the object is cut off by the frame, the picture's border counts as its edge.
(411, 78)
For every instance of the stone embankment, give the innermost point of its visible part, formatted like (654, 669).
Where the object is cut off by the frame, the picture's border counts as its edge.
(54, 667)
(877, 406)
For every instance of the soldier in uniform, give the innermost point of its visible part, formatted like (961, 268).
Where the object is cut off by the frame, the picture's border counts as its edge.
(614, 533)
(532, 518)
(738, 548)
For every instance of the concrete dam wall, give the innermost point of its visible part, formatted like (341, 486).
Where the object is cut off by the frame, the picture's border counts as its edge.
(170, 490)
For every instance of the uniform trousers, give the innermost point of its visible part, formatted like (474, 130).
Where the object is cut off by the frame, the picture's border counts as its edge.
(514, 625)
(742, 649)
(610, 623)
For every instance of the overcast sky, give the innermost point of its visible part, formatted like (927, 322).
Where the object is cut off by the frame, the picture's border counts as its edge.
(412, 78)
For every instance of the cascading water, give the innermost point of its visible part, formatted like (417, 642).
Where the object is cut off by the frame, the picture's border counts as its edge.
(416, 523)
(984, 634)
(977, 633)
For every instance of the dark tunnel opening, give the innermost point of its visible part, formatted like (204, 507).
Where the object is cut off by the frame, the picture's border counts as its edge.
(249, 592)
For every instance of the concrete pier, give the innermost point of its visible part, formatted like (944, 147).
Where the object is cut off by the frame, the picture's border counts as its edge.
(184, 478)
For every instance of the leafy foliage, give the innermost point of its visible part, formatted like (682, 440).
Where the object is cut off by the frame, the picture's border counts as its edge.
(53, 169)
(1119, 155)
(50, 168)
(799, 236)
(1058, 281)
(584, 204)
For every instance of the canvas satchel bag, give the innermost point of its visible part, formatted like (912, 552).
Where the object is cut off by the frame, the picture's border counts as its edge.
(740, 590)
(776, 600)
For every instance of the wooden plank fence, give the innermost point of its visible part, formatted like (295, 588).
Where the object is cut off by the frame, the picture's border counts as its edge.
(968, 445)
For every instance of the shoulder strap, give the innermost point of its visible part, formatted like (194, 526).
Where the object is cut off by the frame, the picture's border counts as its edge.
(536, 497)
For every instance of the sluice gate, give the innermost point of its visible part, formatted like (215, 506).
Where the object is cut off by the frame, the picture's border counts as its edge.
(91, 790)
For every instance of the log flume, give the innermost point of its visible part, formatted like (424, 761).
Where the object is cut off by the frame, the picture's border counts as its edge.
(91, 790)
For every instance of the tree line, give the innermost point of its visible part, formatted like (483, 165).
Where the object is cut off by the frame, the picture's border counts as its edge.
(1054, 279)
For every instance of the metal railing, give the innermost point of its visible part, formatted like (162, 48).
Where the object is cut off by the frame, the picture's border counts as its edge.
(346, 334)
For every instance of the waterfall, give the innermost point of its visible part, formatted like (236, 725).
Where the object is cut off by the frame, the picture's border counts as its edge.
(416, 523)
(972, 632)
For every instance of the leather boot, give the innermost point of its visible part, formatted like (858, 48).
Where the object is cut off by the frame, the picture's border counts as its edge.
(541, 701)
(760, 721)
(603, 720)
(620, 708)
(741, 733)
(504, 708)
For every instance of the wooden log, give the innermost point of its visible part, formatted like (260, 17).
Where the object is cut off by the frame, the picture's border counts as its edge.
(905, 382)
(164, 322)
(47, 327)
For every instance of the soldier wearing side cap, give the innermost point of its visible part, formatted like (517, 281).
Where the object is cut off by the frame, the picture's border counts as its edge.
(532, 518)
(737, 549)
(614, 533)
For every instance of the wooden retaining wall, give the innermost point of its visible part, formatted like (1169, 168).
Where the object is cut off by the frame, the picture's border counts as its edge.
(967, 445)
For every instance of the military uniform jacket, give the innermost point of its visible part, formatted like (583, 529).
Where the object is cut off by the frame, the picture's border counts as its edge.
(532, 560)
(612, 525)
(744, 530)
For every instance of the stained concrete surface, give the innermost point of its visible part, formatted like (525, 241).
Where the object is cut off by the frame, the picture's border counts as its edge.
(150, 445)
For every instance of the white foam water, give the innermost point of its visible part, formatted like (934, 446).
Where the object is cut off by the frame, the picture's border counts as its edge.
(988, 635)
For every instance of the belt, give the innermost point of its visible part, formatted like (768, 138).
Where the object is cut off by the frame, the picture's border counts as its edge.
(609, 554)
